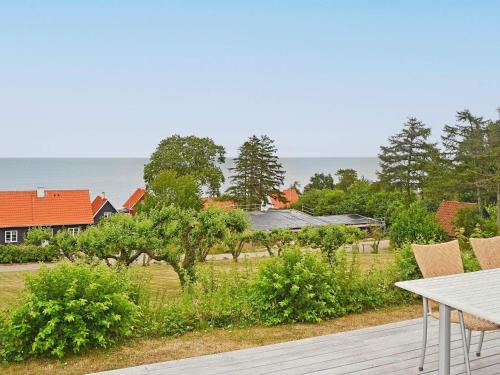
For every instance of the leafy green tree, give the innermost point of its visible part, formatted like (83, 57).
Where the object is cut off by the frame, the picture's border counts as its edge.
(183, 235)
(38, 236)
(170, 188)
(121, 239)
(320, 181)
(198, 157)
(66, 243)
(237, 223)
(415, 225)
(257, 172)
(405, 161)
(329, 238)
(346, 177)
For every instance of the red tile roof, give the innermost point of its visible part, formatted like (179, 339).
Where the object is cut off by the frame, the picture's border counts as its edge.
(57, 207)
(136, 197)
(290, 195)
(98, 203)
(447, 212)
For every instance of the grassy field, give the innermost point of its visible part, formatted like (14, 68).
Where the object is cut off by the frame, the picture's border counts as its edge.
(164, 282)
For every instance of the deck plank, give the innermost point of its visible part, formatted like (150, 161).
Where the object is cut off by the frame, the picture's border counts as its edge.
(392, 349)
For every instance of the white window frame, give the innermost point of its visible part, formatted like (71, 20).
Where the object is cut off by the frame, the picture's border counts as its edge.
(107, 214)
(11, 234)
(74, 231)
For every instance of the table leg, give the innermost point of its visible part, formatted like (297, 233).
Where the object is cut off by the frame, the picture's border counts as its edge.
(444, 339)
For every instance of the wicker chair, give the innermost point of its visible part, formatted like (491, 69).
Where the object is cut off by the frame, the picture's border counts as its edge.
(487, 251)
(442, 260)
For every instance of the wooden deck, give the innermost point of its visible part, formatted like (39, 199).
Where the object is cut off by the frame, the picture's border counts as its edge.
(388, 349)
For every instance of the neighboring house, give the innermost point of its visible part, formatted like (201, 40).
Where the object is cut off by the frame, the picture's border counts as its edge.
(102, 208)
(296, 220)
(447, 212)
(290, 195)
(132, 203)
(55, 209)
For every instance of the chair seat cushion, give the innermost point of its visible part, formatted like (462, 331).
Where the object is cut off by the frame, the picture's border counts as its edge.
(471, 322)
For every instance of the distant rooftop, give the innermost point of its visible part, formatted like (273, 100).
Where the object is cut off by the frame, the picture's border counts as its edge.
(294, 219)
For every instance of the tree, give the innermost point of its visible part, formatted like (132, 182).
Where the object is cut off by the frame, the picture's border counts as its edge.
(237, 223)
(121, 239)
(466, 152)
(170, 188)
(347, 177)
(404, 162)
(38, 236)
(329, 238)
(320, 181)
(198, 157)
(257, 173)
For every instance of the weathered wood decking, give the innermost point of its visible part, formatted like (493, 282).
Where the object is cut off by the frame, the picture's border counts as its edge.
(387, 349)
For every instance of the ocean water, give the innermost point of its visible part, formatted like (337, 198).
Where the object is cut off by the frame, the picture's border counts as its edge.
(119, 177)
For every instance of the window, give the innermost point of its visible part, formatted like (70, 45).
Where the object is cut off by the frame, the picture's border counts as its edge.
(10, 236)
(107, 214)
(74, 231)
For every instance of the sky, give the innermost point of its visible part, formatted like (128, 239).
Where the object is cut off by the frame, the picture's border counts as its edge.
(322, 78)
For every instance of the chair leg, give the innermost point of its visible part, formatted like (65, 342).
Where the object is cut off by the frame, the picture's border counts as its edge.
(424, 337)
(480, 344)
(464, 342)
(469, 338)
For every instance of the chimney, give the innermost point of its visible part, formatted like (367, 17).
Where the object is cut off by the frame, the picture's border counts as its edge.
(40, 192)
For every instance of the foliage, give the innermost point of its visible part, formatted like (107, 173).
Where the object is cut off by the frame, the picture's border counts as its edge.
(415, 225)
(297, 287)
(347, 177)
(66, 243)
(121, 238)
(276, 238)
(198, 157)
(27, 253)
(404, 162)
(38, 236)
(237, 224)
(67, 309)
(257, 172)
(473, 224)
(329, 238)
(216, 299)
(320, 181)
(171, 188)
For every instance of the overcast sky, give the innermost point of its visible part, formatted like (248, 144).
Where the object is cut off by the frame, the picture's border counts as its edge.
(112, 78)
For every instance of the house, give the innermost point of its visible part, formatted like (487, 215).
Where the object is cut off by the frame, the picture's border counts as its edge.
(296, 220)
(102, 208)
(55, 209)
(290, 195)
(132, 203)
(446, 213)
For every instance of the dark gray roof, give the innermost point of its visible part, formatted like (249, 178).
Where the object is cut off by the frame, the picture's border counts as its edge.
(293, 219)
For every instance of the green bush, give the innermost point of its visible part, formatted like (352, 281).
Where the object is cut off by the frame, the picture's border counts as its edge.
(69, 308)
(297, 287)
(27, 253)
(415, 225)
(215, 300)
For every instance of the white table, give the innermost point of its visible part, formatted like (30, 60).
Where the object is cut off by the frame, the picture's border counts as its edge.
(476, 293)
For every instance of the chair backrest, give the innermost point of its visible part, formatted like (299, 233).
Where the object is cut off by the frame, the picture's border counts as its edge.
(438, 260)
(487, 252)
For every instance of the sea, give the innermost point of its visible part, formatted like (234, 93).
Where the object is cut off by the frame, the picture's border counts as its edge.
(117, 178)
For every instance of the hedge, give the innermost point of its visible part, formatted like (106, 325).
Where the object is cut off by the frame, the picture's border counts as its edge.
(27, 253)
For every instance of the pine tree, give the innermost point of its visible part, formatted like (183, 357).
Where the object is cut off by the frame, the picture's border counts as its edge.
(257, 173)
(466, 151)
(404, 162)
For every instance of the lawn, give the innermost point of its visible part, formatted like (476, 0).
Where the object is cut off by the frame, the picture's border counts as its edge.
(164, 283)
